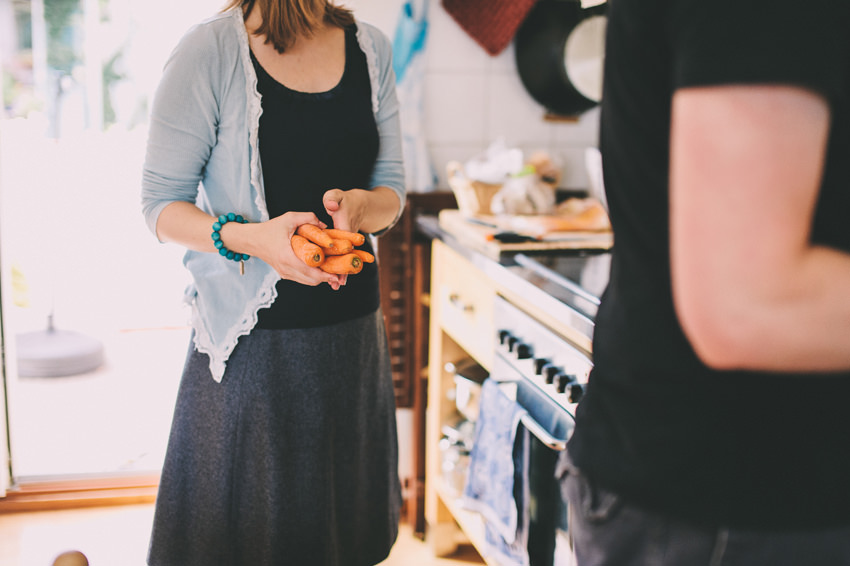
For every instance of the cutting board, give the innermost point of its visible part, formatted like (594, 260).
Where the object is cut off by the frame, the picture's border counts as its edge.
(479, 237)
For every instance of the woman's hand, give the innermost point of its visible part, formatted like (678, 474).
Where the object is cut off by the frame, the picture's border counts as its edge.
(185, 224)
(346, 211)
(346, 208)
(270, 241)
(358, 210)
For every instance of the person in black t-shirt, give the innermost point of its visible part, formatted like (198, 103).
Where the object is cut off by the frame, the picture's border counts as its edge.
(715, 425)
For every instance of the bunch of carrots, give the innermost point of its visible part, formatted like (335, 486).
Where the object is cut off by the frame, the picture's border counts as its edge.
(330, 249)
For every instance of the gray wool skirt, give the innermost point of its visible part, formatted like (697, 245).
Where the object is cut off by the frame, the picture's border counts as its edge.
(291, 460)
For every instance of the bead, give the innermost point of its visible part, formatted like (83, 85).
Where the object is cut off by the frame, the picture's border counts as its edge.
(219, 244)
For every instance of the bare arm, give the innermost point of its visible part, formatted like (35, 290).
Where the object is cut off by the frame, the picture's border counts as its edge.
(185, 224)
(750, 290)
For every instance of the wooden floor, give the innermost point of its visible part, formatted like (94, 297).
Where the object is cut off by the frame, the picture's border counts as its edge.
(118, 536)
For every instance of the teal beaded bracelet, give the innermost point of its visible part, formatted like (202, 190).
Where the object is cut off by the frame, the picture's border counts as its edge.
(216, 236)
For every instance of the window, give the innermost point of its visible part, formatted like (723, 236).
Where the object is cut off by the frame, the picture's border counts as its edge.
(81, 273)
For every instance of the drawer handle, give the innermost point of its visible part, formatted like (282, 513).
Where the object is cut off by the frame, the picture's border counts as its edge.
(455, 300)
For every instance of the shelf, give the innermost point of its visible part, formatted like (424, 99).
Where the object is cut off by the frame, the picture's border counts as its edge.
(470, 522)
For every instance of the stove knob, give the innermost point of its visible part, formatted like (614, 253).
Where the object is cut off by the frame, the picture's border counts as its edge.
(512, 342)
(503, 336)
(523, 351)
(539, 364)
(563, 380)
(549, 372)
(576, 392)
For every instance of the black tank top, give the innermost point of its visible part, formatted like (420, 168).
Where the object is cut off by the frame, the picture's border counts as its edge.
(310, 143)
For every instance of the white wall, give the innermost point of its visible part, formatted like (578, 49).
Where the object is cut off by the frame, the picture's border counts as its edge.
(472, 98)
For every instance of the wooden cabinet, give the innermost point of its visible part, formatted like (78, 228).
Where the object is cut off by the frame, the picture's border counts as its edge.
(464, 303)
(462, 299)
(473, 297)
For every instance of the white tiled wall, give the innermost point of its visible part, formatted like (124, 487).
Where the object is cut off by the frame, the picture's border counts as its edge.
(471, 98)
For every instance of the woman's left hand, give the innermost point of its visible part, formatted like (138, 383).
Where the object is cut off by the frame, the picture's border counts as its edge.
(346, 209)
(359, 210)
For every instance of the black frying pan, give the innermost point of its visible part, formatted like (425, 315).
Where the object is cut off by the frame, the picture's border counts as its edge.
(559, 76)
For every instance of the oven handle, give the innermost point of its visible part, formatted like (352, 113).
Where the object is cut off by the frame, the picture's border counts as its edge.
(556, 444)
(542, 435)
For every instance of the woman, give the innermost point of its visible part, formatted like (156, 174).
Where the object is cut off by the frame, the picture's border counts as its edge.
(283, 448)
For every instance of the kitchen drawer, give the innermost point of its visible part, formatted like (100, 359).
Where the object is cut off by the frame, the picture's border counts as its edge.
(465, 303)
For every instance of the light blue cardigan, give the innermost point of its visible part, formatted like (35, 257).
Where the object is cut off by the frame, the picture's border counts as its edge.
(203, 148)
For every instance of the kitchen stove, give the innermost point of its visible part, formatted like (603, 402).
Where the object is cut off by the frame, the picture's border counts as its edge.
(526, 348)
(550, 371)
(543, 320)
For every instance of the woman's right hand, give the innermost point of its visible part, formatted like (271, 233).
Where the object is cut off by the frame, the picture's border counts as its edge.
(271, 243)
(184, 223)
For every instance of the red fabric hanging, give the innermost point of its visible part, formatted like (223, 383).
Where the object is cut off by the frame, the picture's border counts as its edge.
(491, 23)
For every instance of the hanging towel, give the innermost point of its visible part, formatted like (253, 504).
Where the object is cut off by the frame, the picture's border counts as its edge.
(410, 36)
(515, 553)
(491, 23)
(409, 43)
(497, 483)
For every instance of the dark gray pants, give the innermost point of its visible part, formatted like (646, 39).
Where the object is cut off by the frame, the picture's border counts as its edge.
(606, 531)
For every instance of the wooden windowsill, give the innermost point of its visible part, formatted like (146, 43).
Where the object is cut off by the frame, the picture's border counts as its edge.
(71, 493)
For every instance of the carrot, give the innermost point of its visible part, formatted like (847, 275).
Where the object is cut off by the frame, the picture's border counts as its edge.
(340, 247)
(315, 235)
(355, 238)
(342, 264)
(307, 251)
(364, 255)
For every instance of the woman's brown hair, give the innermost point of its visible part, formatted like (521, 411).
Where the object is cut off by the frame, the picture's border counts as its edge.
(284, 20)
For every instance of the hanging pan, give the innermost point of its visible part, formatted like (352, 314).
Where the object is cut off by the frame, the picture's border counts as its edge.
(560, 50)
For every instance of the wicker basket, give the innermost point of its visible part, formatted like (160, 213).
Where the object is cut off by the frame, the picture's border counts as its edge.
(473, 197)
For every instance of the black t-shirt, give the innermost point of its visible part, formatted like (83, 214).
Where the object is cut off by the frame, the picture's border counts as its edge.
(310, 143)
(729, 448)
